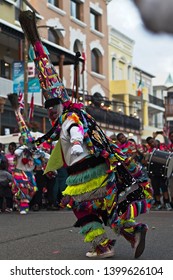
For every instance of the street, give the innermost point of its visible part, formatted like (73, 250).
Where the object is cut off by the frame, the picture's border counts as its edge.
(50, 235)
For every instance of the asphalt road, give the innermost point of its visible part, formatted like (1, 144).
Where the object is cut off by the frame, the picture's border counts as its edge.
(50, 235)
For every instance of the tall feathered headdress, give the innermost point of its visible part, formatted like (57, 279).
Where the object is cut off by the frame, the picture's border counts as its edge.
(24, 130)
(53, 89)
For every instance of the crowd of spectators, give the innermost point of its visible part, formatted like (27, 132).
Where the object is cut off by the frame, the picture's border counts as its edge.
(51, 186)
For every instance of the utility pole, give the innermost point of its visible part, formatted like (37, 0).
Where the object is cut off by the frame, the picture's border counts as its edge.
(25, 78)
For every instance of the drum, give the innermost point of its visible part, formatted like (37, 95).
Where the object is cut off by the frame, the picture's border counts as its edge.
(160, 163)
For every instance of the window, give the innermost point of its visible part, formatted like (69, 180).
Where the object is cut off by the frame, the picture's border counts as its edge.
(17, 14)
(147, 84)
(76, 9)
(154, 92)
(155, 120)
(96, 61)
(162, 95)
(56, 3)
(120, 73)
(149, 89)
(53, 36)
(17, 9)
(95, 20)
(113, 68)
(5, 69)
(129, 72)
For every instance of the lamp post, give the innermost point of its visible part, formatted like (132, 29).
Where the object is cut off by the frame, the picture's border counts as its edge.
(2, 102)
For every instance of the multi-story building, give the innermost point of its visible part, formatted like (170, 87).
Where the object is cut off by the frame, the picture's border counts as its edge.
(163, 93)
(122, 86)
(153, 109)
(150, 104)
(66, 28)
(143, 103)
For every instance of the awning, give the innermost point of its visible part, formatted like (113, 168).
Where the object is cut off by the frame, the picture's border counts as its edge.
(69, 57)
(55, 51)
(11, 29)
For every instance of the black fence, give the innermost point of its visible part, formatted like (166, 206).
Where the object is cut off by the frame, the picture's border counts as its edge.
(112, 118)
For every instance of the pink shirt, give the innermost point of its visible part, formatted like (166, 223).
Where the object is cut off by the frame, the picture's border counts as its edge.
(11, 162)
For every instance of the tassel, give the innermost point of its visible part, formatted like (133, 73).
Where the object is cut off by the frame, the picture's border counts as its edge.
(135, 210)
(139, 207)
(131, 212)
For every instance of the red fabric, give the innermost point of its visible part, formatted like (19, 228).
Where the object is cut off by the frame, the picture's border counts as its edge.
(25, 161)
(139, 92)
(21, 100)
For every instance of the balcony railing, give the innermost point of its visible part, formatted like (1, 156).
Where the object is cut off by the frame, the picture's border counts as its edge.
(156, 101)
(112, 118)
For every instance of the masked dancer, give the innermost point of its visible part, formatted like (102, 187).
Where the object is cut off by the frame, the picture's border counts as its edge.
(100, 188)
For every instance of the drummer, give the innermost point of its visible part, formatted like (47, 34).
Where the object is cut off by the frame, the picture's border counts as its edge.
(159, 182)
(170, 182)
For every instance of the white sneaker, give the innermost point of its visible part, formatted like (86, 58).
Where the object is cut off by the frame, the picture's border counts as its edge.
(93, 254)
(23, 212)
(168, 206)
(8, 210)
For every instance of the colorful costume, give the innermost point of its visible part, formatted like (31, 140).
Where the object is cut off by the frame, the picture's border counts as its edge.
(27, 155)
(24, 185)
(103, 185)
(100, 187)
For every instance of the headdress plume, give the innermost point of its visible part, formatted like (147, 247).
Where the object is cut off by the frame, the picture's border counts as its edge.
(53, 88)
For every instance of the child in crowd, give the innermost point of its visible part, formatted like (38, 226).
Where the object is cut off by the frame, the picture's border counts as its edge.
(11, 156)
